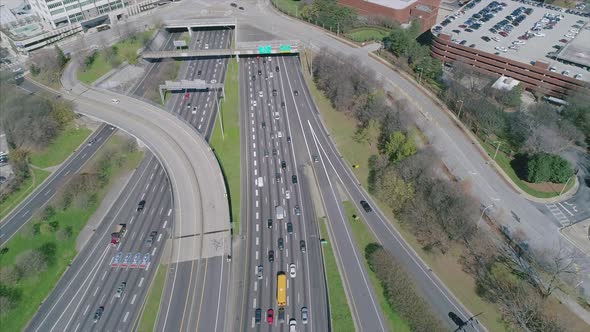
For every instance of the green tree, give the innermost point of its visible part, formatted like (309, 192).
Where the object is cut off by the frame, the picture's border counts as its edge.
(399, 146)
(544, 167)
(392, 190)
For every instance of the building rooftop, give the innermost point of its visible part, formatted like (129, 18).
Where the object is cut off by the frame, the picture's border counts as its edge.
(395, 4)
(578, 50)
(523, 32)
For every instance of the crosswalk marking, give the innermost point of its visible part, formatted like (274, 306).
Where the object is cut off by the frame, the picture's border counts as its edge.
(558, 214)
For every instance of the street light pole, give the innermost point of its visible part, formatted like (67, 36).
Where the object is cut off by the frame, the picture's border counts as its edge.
(460, 108)
(497, 148)
(482, 213)
(420, 75)
(565, 185)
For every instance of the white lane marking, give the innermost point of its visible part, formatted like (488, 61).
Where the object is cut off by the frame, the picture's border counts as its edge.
(257, 226)
(161, 188)
(66, 173)
(133, 299)
(566, 210)
(254, 302)
(255, 286)
(140, 282)
(154, 251)
(103, 275)
(142, 196)
(256, 191)
(131, 220)
(256, 203)
(26, 212)
(159, 237)
(47, 192)
(126, 316)
(169, 211)
(252, 322)
(165, 222)
(256, 254)
(86, 310)
(287, 252)
(255, 171)
(77, 327)
(152, 176)
(95, 291)
(257, 216)
(254, 162)
(147, 186)
(257, 240)
(161, 209)
(133, 235)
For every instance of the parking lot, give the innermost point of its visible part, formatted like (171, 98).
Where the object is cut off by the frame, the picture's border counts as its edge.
(519, 31)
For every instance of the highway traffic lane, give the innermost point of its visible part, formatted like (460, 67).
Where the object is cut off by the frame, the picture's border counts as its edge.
(98, 292)
(85, 262)
(366, 312)
(296, 301)
(16, 219)
(442, 300)
(158, 202)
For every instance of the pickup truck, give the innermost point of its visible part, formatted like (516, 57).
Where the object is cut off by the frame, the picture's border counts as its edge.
(118, 233)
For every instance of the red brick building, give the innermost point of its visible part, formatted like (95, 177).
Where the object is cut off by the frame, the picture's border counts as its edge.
(535, 76)
(403, 11)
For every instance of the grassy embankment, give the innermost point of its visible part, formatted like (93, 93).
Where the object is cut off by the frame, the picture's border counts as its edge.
(368, 33)
(54, 154)
(126, 51)
(226, 142)
(33, 290)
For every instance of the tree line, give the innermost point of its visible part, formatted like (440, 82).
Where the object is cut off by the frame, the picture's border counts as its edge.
(30, 124)
(408, 176)
(534, 135)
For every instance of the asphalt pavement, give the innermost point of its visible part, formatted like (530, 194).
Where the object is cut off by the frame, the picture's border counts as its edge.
(266, 145)
(24, 212)
(91, 281)
(196, 292)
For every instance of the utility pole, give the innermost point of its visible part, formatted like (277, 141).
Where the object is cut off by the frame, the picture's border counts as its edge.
(338, 28)
(460, 108)
(482, 213)
(565, 185)
(420, 75)
(219, 114)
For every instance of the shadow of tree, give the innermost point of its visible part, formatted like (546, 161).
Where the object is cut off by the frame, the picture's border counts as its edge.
(519, 165)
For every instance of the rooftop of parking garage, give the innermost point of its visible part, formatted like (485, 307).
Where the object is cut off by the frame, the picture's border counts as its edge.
(548, 39)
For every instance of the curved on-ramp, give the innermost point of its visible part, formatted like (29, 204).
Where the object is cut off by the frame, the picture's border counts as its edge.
(200, 199)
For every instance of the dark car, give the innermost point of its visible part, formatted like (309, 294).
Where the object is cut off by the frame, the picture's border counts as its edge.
(263, 124)
(486, 38)
(274, 92)
(366, 206)
(151, 238)
(302, 246)
(141, 205)
(277, 69)
(290, 227)
(271, 256)
(278, 177)
(259, 72)
(296, 92)
(294, 179)
(269, 223)
(258, 316)
(283, 104)
(281, 315)
(283, 164)
(253, 77)
(199, 73)
(98, 314)
(281, 244)
(233, 4)
(241, 8)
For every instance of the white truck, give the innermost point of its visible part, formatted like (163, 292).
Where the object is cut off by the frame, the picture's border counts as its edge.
(280, 212)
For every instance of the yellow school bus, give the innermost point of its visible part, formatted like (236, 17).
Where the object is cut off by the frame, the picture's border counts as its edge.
(281, 289)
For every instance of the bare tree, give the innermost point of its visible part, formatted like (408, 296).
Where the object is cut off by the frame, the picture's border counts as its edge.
(557, 263)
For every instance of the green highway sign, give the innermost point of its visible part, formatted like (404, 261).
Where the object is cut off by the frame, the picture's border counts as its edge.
(266, 49)
(285, 48)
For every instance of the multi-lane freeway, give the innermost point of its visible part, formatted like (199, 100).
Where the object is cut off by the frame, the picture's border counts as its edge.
(114, 277)
(16, 219)
(277, 242)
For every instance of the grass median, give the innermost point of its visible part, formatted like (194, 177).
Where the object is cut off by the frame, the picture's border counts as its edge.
(33, 261)
(225, 141)
(289, 7)
(61, 148)
(363, 237)
(149, 315)
(339, 309)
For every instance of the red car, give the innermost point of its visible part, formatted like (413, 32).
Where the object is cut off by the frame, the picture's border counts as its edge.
(463, 26)
(187, 96)
(563, 40)
(270, 316)
(503, 34)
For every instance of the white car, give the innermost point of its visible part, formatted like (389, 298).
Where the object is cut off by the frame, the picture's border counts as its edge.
(539, 34)
(292, 325)
(552, 69)
(259, 272)
(501, 49)
(213, 81)
(565, 73)
(115, 101)
(260, 94)
(206, 46)
(270, 75)
(254, 103)
(287, 194)
(292, 270)
(578, 76)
